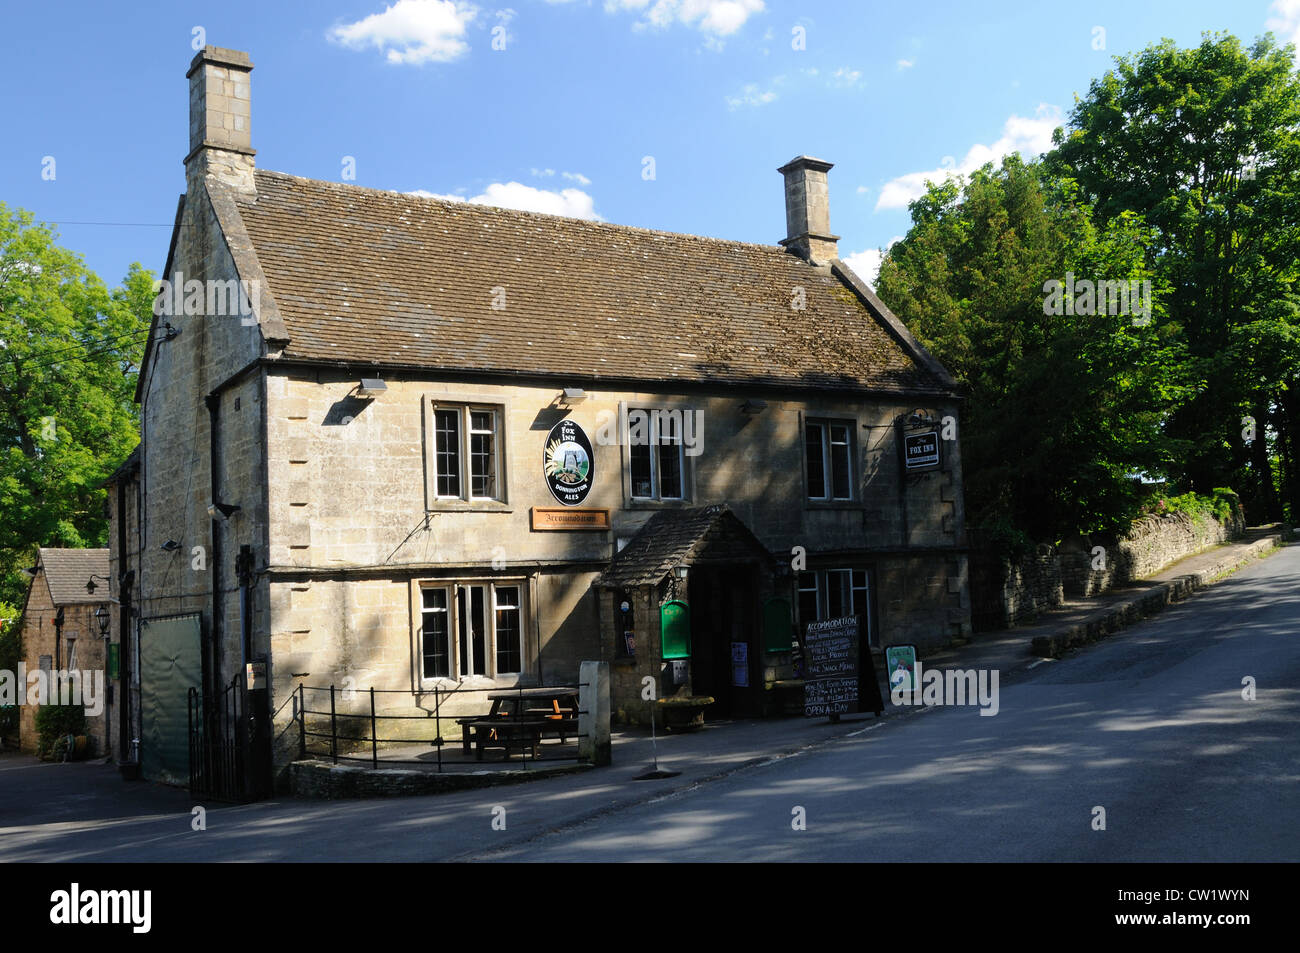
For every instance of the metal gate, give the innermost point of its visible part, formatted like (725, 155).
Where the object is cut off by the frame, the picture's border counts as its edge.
(226, 760)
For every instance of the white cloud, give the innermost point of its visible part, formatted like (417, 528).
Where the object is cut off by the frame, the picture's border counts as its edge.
(866, 264)
(845, 77)
(718, 17)
(751, 95)
(863, 189)
(905, 64)
(1286, 24)
(573, 203)
(1028, 136)
(571, 176)
(412, 31)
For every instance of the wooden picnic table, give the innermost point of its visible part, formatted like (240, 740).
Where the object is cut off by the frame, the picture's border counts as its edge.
(561, 714)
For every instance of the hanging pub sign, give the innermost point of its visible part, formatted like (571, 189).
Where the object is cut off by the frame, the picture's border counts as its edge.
(567, 463)
(920, 451)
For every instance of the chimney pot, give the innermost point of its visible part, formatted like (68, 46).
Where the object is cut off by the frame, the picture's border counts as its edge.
(807, 210)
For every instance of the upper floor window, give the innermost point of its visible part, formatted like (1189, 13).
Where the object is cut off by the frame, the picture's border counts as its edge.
(657, 454)
(828, 450)
(466, 461)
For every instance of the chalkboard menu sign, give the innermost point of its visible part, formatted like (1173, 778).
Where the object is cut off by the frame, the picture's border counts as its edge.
(838, 679)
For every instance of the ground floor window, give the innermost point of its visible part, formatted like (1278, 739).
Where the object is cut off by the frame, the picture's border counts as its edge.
(833, 593)
(471, 628)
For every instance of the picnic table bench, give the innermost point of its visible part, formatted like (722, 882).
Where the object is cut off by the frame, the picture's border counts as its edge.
(556, 709)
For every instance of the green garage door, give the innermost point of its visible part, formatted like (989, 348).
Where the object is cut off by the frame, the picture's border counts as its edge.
(169, 667)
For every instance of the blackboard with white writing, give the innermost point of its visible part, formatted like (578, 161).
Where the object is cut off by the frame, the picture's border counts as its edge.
(836, 680)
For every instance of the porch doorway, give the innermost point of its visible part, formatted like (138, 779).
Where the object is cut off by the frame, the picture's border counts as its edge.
(724, 642)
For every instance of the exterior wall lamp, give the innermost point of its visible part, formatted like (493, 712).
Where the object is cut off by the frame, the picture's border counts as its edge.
(225, 509)
(573, 395)
(170, 546)
(90, 583)
(371, 387)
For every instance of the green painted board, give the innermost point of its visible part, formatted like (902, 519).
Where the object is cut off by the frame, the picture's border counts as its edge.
(778, 629)
(675, 629)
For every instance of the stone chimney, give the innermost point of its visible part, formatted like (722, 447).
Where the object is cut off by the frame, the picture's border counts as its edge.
(220, 134)
(807, 211)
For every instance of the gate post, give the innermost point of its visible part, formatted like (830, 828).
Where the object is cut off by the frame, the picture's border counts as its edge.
(593, 713)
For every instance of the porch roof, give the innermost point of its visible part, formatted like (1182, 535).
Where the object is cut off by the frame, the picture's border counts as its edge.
(673, 538)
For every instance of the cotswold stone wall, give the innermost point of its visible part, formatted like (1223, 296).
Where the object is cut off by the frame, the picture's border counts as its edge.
(1008, 593)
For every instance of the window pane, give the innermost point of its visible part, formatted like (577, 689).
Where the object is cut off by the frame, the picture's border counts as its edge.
(839, 600)
(813, 436)
(670, 456)
(447, 451)
(482, 454)
(807, 600)
(841, 466)
(437, 660)
(509, 654)
(642, 486)
(477, 635)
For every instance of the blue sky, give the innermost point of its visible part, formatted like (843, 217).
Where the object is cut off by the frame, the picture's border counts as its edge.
(718, 93)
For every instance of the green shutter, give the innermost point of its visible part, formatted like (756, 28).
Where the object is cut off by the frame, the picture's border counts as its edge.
(675, 629)
(778, 625)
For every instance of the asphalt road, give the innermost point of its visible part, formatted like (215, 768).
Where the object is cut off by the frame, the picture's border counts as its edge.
(1150, 725)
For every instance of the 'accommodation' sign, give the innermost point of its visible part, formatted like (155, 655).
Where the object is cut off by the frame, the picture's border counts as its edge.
(830, 683)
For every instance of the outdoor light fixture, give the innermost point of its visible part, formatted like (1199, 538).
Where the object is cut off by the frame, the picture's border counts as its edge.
(225, 509)
(573, 395)
(752, 407)
(371, 387)
(170, 546)
(90, 583)
(682, 571)
(920, 418)
(101, 616)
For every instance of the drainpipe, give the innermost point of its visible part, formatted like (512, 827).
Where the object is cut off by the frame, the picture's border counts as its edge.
(126, 579)
(212, 656)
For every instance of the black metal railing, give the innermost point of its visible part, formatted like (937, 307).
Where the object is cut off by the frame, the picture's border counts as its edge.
(356, 735)
(219, 742)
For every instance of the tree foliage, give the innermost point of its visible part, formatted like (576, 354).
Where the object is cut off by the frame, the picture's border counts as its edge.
(1204, 144)
(69, 353)
(1062, 409)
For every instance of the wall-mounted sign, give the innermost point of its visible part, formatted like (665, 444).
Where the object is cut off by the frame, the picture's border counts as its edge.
(921, 450)
(567, 463)
(675, 629)
(557, 519)
(740, 664)
(778, 629)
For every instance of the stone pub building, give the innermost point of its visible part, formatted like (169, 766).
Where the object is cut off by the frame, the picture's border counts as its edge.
(446, 445)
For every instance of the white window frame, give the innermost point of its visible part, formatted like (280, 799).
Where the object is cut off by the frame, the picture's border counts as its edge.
(822, 580)
(464, 409)
(655, 415)
(827, 427)
(493, 676)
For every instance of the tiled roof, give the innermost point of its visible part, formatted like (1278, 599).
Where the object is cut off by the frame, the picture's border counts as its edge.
(68, 570)
(363, 275)
(671, 538)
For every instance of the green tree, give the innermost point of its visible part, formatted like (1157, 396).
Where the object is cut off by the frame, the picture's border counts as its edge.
(69, 352)
(1063, 409)
(1203, 144)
